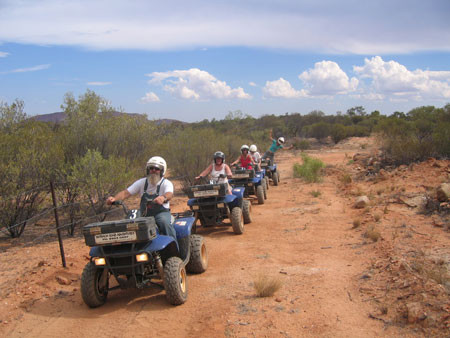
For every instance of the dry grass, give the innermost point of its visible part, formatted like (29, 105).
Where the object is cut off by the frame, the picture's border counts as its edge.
(266, 286)
(315, 193)
(372, 233)
(356, 223)
(346, 179)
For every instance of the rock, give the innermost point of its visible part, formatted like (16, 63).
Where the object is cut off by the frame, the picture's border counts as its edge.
(278, 300)
(415, 312)
(63, 280)
(443, 192)
(361, 202)
(419, 201)
(41, 263)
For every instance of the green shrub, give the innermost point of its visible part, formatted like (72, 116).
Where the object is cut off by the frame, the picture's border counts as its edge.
(309, 170)
(302, 145)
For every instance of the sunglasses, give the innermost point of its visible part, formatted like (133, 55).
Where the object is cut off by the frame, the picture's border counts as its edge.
(154, 168)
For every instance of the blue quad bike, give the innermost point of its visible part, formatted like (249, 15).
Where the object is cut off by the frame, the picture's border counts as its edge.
(212, 205)
(253, 182)
(271, 171)
(135, 253)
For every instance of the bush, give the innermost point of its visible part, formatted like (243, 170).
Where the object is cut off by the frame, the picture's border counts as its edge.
(97, 178)
(309, 170)
(266, 286)
(302, 145)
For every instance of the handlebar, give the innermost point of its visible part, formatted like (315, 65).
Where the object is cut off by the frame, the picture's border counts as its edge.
(125, 209)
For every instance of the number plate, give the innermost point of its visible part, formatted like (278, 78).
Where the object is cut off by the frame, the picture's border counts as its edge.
(241, 175)
(115, 237)
(206, 193)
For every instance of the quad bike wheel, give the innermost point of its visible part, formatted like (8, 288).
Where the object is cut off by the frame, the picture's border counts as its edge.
(198, 260)
(237, 220)
(247, 210)
(94, 285)
(275, 178)
(264, 185)
(175, 281)
(260, 194)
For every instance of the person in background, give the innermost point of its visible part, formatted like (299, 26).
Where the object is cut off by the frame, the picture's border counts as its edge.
(256, 157)
(274, 147)
(218, 170)
(245, 160)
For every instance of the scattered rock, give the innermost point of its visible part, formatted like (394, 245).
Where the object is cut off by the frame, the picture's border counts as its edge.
(278, 300)
(63, 293)
(63, 280)
(41, 263)
(415, 202)
(415, 312)
(361, 202)
(443, 192)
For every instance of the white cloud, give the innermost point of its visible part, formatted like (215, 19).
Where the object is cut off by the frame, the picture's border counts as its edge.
(281, 88)
(327, 79)
(29, 69)
(98, 83)
(251, 83)
(150, 97)
(3, 54)
(345, 26)
(396, 81)
(195, 84)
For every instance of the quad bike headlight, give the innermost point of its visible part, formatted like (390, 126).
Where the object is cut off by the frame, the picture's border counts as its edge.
(99, 261)
(143, 257)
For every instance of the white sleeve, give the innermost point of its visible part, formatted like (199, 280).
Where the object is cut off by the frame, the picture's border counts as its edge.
(167, 186)
(137, 187)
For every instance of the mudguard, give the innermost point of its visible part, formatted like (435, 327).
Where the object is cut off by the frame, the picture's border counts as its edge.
(159, 243)
(183, 226)
(238, 192)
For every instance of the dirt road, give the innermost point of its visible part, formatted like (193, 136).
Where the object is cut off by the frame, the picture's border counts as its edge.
(305, 241)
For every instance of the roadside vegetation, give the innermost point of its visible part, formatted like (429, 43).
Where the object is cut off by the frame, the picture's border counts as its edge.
(97, 150)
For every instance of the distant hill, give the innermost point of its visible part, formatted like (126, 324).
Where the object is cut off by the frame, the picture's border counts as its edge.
(60, 117)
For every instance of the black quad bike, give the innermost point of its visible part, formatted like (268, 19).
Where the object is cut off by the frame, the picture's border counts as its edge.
(136, 255)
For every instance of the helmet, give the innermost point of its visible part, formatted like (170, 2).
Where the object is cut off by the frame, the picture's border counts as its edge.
(253, 148)
(244, 147)
(281, 140)
(219, 154)
(157, 161)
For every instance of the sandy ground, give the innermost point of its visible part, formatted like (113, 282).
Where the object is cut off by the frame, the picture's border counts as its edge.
(335, 281)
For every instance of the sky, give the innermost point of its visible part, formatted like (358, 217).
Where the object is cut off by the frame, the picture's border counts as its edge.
(195, 60)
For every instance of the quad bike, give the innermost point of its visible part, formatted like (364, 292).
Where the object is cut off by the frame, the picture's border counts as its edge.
(135, 253)
(212, 205)
(271, 171)
(253, 182)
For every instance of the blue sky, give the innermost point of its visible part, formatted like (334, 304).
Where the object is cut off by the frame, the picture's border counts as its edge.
(191, 60)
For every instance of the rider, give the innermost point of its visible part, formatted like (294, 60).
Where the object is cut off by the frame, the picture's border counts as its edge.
(219, 170)
(156, 188)
(276, 145)
(246, 160)
(256, 157)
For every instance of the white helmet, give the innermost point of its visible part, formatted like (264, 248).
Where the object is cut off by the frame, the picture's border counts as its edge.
(244, 147)
(157, 161)
(253, 148)
(281, 140)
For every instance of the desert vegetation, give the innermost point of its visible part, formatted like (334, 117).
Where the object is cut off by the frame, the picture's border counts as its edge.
(94, 152)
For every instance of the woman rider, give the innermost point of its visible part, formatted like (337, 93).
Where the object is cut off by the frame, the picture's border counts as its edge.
(219, 170)
(246, 160)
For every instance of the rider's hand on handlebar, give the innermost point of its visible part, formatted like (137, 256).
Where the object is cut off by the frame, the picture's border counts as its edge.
(110, 200)
(159, 200)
